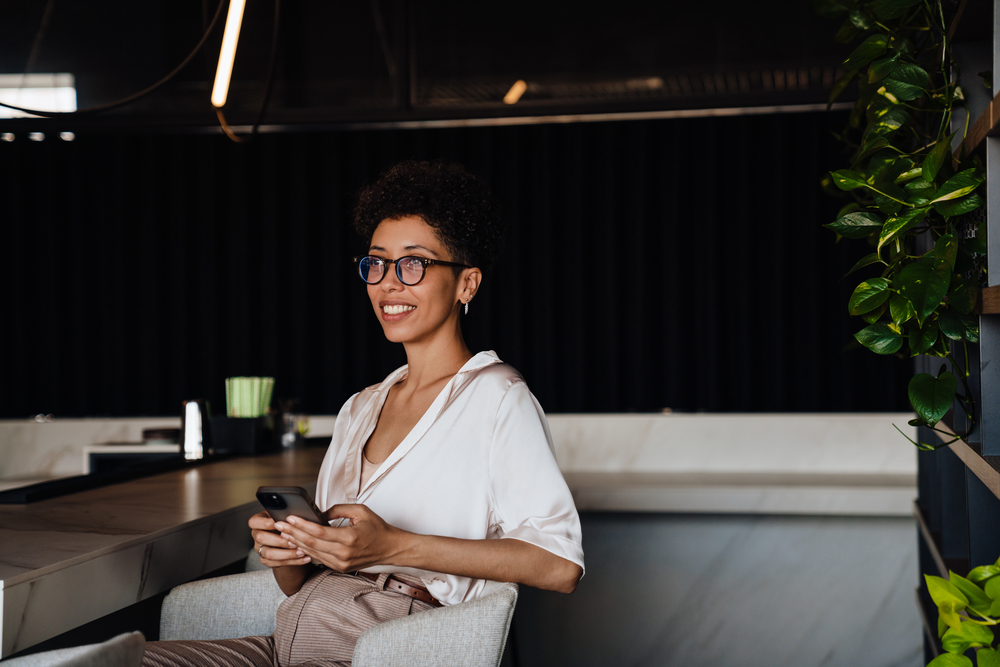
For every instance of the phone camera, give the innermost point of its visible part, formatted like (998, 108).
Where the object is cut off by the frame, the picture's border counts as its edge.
(273, 501)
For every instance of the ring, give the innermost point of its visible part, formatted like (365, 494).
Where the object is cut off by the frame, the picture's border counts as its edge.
(259, 550)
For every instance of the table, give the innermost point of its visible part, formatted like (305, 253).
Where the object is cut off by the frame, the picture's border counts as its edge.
(70, 560)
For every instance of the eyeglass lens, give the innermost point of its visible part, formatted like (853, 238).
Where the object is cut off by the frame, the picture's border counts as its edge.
(409, 270)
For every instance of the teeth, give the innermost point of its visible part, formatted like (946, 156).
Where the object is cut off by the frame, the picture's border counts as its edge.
(396, 310)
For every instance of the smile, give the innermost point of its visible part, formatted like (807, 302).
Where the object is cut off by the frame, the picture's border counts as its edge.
(396, 310)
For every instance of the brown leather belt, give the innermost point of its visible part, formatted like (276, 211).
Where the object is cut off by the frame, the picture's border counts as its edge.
(394, 584)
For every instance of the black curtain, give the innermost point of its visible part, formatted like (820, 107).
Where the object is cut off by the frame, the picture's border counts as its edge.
(650, 264)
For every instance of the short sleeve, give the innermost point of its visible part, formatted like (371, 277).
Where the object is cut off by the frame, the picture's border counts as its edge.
(531, 500)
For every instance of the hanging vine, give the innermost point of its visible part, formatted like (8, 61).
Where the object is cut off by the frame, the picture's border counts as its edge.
(910, 198)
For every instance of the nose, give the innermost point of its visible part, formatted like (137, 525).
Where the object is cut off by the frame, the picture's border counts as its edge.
(391, 282)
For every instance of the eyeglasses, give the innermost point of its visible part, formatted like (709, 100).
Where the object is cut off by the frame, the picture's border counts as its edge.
(410, 270)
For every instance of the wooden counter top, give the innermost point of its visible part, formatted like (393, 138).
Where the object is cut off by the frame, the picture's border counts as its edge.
(70, 560)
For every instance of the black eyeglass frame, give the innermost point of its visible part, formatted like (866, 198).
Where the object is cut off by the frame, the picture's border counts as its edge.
(424, 261)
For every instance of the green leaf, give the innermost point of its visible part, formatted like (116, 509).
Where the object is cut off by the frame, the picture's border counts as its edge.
(934, 159)
(890, 120)
(848, 180)
(952, 327)
(931, 397)
(897, 226)
(892, 9)
(961, 206)
(967, 635)
(946, 251)
(980, 575)
(978, 600)
(868, 295)
(977, 243)
(867, 150)
(925, 282)
(889, 198)
(907, 82)
(993, 590)
(959, 185)
(987, 657)
(829, 9)
(880, 339)
(860, 20)
(882, 67)
(856, 225)
(922, 338)
(971, 328)
(867, 51)
(962, 296)
(847, 32)
(950, 660)
(900, 309)
(873, 316)
(840, 86)
(867, 260)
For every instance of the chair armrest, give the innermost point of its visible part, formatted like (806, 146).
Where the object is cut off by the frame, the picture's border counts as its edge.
(238, 605)
(471, 633)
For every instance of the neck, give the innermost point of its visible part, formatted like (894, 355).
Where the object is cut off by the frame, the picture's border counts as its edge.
(441, 356)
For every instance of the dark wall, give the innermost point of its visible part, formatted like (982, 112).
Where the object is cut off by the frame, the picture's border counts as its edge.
(650, 264)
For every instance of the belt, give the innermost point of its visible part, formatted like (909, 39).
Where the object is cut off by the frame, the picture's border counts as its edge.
(394, 584)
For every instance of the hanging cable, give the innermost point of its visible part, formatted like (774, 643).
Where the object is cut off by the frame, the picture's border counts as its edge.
(267, 87)
(130, 98)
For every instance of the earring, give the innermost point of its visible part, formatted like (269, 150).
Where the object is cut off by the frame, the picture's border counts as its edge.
(466, 307)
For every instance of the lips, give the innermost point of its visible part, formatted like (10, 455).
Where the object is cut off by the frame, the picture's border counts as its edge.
(393, 311)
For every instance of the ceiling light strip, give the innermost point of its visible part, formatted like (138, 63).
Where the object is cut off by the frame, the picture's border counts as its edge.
(554, 119)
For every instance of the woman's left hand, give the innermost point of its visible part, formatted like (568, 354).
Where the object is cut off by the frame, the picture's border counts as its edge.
(366, 541)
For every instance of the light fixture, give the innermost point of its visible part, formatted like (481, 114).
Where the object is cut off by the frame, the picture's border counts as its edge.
(67, 136)
(228, 53)
(7, 136)
(36, 136)
(515, 92)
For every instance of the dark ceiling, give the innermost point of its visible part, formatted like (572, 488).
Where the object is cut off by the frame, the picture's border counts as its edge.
(436, 60)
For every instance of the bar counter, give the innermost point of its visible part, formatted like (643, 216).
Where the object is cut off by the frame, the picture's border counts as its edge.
(70, 560)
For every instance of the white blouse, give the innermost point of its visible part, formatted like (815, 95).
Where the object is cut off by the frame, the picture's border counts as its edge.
(478, 465)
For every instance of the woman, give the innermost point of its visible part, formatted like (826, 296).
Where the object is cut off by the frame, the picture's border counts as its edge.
(437, 479)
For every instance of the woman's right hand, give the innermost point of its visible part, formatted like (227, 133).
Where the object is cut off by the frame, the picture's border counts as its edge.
(273, 550)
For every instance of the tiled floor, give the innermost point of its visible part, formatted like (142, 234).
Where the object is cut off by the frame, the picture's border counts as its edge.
(734, 591)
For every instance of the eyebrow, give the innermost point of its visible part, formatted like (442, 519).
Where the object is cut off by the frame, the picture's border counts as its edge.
(407, 248)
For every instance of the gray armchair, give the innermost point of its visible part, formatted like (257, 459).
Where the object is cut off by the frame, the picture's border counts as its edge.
(121, 651)
(472, 633)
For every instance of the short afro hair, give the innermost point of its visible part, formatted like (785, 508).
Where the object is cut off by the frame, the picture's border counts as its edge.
(455, 203)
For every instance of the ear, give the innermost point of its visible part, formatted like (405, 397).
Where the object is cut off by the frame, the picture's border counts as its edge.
(468, 283)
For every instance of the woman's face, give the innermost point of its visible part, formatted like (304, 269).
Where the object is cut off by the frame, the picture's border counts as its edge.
(411, 313)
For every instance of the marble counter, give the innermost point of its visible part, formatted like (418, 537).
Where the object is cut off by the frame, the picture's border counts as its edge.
(70, 560)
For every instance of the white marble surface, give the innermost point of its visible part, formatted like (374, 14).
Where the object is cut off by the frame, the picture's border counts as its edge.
(840, 464)
(70, 560)
(54, 449)
(825, 463)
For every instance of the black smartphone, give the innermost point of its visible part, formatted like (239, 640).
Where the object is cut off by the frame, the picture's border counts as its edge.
(282, 502)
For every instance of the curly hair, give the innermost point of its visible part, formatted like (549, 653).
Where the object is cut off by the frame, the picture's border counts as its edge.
(455, 203)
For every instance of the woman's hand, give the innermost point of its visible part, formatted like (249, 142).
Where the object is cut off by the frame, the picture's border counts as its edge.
(269, 545)
(366, 541)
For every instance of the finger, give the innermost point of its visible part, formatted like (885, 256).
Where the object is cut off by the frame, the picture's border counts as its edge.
(280, 554)
(345, 511)
(261, 521)
(303, 525)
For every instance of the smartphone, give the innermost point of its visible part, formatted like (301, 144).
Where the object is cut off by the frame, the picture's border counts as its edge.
(282, 502)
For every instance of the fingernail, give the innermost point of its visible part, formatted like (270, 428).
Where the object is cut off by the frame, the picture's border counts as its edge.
(291, 520)
(280, 526)
(308, 559)
(300, 552)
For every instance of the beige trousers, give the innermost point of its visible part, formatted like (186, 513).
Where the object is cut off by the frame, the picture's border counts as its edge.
(318, 626)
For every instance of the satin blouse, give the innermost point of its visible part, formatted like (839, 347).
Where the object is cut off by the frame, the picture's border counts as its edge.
(478, 465)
